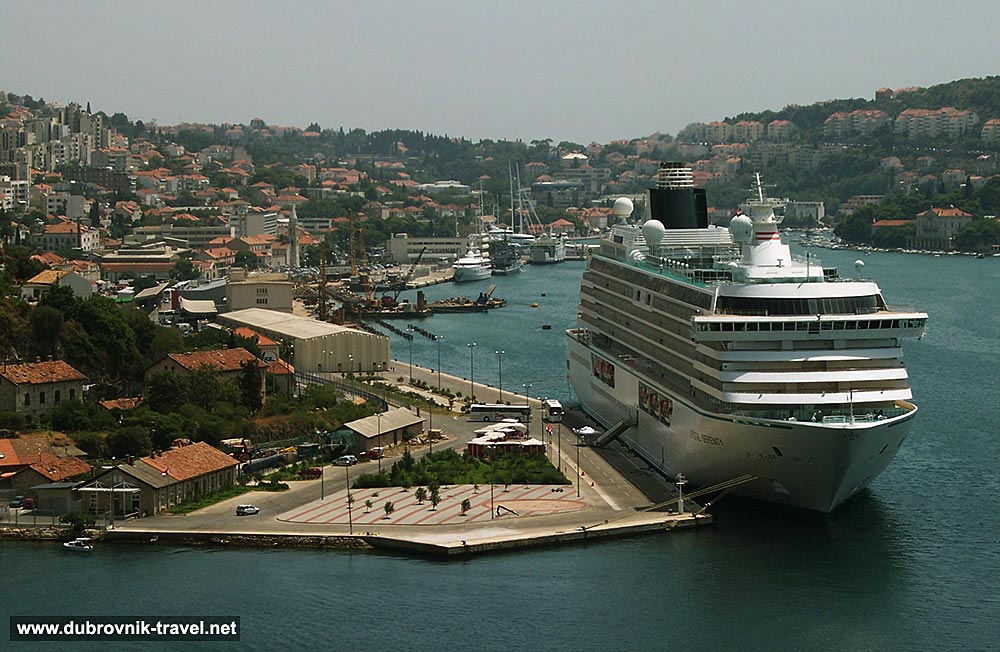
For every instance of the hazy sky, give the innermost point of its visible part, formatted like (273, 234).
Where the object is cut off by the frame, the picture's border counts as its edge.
(579, 71)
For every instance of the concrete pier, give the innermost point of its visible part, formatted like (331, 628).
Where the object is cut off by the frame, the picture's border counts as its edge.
(611, 494)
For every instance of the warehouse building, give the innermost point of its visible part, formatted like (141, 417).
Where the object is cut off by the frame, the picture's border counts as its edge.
(319, 347)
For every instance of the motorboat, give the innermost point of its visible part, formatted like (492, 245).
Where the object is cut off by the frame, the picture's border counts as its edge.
(80, 544)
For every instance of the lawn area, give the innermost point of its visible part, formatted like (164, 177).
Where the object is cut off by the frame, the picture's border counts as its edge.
(225, 494)
(448, 467)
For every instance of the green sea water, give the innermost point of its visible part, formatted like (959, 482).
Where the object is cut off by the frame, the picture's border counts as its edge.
(909, 564)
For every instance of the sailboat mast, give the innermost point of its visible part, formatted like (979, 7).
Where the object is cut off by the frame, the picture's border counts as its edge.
(510, 177)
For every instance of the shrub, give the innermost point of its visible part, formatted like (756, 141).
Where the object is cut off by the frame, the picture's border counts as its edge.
(78, 521)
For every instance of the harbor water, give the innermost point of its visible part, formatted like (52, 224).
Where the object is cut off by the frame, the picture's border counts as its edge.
(909, 564)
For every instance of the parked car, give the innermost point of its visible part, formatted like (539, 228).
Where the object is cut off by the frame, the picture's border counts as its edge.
(247, 510)
(18, 502)
(313, 471)
(373, 454)
(345, 460)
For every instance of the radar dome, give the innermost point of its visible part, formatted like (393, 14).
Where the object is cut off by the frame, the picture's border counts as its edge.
(623, 207)
(741, 228)
(652, 231)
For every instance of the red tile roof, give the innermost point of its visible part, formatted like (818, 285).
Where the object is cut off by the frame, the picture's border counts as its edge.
(220, 359)
(281, 368)
(189, 461)
(40, 373)
(122, 403)
(57, 469)
(251, 334)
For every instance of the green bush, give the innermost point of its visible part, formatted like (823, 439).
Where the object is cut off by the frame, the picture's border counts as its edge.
(78, 521)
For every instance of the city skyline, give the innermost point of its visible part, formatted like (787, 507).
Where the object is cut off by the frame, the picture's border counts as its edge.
(580, 72)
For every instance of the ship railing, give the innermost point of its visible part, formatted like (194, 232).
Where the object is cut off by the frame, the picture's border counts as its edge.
(676, 270)
(861, 414)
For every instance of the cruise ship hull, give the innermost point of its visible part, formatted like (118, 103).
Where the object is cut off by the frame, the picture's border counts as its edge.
(814, 466)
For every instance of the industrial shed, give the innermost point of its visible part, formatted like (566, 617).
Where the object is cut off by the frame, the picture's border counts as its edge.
(320, 347)
(385, 429)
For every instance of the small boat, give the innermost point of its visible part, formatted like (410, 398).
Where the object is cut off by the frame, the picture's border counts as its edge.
(81, 544)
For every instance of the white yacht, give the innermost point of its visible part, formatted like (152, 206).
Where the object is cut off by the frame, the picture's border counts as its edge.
(548, 248)
(474, 265)
(715, 353)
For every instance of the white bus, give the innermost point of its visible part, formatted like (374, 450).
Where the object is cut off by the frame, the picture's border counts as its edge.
(498, 411)
(552, 410)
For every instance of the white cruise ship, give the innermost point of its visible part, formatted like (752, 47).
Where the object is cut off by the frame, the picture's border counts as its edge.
(474, 265)
(715, 353)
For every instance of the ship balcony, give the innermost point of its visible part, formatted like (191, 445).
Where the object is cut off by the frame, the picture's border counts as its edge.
(832, 416)
(798, 397)
(801, 355)
(849, 376)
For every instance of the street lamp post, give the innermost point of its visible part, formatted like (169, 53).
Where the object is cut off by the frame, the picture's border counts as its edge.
(577, 469)
(472, 372)
(527, 390)
(492, 511)
(409, 340)
(559, 439)
(350, 362)
(378, 419)
(350, 515)
(438, 338)
(114, 465)
(681, 481)
(500, 374)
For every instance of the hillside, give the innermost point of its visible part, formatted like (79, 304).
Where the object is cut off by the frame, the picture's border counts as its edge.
(981, 95)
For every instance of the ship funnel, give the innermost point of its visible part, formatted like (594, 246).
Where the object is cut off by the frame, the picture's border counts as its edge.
(675, 202)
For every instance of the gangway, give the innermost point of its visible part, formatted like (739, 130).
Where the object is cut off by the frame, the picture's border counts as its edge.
(613, 433)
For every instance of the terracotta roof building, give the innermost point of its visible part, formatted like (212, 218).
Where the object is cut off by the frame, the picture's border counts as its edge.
(160, 481)
(46, 279)
(37, 387)
(221, 360)
(26, 462)
(227, 362)
(937, 228)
